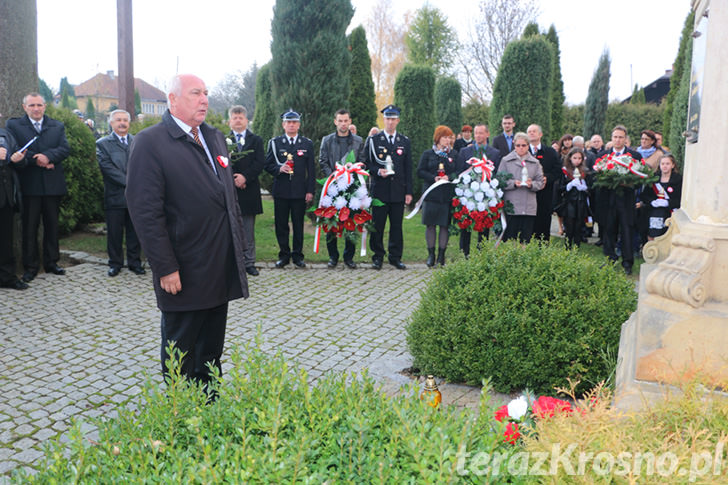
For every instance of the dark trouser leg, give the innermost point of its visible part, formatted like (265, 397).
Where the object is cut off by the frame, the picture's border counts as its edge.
(332, 246)
(249, 234)
(133, 248)
(376, 239)
(31, 221)
(50, 207)
(281, 209)
(513, 227)
(349, 249)
(199, 333)
(7, 259)
(298, 210)
(465, 242)
(627, 232)
(527, 229)
(572, 236)
(115, 221)
(608, 232)
(542, 222)
(396, 243)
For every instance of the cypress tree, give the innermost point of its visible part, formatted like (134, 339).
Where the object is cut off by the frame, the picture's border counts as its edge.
(597, 99)
(310, 61)
(430, 40)
(45, 91)
(414, 92)
(90, 109)
(638, 95)
(685, 50)
(448, 109)
(523, 84)
(264, 123)
(678, 124)
(361, 96)
(530, 30)
(137, 101)
(557, 87)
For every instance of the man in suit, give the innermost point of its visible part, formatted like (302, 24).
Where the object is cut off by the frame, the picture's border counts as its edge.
(10, 160)
(334, 149)
(112, 154)
(248, 160)
(551, 165)
(504, 141)
(389, 160)
(182, 200)
(290, 159)
(617, 207)
(42, 182)
(478, 149)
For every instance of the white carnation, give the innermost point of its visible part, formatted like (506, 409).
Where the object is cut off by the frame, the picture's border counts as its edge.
(470, 205)
(494, 183)
(355, 203)
(492, 202)
(459, 192)
(490, 193)
(468, 193)
(326, 201)
(464, 200)
(332, 190)
(517, 408)
(479, 196)
(230, 141)
(340, 202)
(481, 206)
(500, 193)
(342, 183)
(484, 185)
(361, 192)
(466, 178)
(475, 186)
(366, 202)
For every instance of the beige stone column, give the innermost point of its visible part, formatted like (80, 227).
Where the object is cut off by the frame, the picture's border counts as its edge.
(680, 329)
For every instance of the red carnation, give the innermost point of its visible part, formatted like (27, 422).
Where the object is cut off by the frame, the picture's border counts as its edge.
(458, 215)
(610, 166)
(329, 212)
(501, 413)
(344, 214)
(546, 407)
(455, 202)
(319, 212)
(511, 433)
(349, 225)
(361, 217)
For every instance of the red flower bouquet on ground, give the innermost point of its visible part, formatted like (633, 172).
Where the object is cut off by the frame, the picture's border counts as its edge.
(519, 415)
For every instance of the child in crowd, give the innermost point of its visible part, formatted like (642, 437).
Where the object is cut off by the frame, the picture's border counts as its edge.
(662, 197)
(573, 206)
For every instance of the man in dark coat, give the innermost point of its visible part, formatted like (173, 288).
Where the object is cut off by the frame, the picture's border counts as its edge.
(551, 165)
(10, 201)
(112, 155)
(182, 200)
(290, 159)
(617, 207)
(389, 161)
(504, 142)
(42, 182)
(246, 151)
(334, 149)
(478, 149)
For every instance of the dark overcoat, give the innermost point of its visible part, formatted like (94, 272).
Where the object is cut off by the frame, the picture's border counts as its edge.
(250, 165)
(187, 217)
(112, 157)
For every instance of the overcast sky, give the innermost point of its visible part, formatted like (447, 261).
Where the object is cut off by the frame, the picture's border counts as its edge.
(77, 38)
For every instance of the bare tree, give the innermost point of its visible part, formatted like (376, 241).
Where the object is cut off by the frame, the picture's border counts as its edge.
(235, 88)
(497, 23)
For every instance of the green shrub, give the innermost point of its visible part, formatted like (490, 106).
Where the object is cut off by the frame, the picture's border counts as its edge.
(84, 202)
(525, 317)
(269, 425)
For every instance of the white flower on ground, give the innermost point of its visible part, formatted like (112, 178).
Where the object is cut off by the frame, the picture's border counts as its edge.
(474, 186)
(361, 192)
(517, 408)
(459, 192)
(494, 183)
(366, 202)
(466, 178)
(326, 201)
(470, 205)
(481, 206)
(333, 190)
(479, 196)
(355, 203)
(340, 202)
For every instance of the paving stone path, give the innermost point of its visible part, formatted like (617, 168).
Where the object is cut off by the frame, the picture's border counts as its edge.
(75, 346)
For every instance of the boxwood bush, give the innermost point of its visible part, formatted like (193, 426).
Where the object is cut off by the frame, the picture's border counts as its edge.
(270, 425)
(526, 317)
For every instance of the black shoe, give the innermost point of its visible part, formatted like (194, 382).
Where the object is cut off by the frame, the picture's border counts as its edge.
(299, 263)
(17, 285)
(376, 264)
(282, 263)
(350, 264)
(599, 243)
(441, 256)
(398, 264)
(137, 270)
(113, 271)
(430, 257)
(29, 276)
(332, 263)
(252, 270)
(55, 269)
(628, 270)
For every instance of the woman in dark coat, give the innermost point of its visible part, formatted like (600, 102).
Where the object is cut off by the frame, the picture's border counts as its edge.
(438, 163)
(573, 207)
(662, 197)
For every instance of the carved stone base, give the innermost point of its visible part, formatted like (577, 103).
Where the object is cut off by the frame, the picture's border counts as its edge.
(680, 329)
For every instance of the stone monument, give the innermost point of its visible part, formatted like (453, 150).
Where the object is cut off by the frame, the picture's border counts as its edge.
(680, 329)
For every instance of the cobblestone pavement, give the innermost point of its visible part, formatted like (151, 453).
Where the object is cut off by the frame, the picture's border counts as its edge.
(74, 346)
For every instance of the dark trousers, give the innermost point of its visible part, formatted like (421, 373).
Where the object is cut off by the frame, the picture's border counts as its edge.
(465, 239)
(200, 334)
(282, 210)
(118, 222)
(519, 226)
(7, 258)
(395, 212)
(574, 229)
(544, 209)
(35, 208)
(614, 220)
(332, 243)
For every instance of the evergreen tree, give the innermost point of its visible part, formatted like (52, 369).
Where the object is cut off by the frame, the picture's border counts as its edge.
(45, 91)
(361, 95)
(475, 112)
(597, 99)
(66, 86)
(679, 121)
(557, 87)
(448, 109)
(530, 30)
(523, 84)
(264, 123)
(65, 100)
(685, 50)
(137, 102)
(90, 109)
(311, 59)
(414, 92)
(430, 40)
(638, 95)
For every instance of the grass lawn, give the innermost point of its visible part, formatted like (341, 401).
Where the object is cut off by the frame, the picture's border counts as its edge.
(415, 250)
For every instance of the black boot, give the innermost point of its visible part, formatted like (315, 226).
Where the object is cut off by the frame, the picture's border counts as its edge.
(430, 257)
(441, 256)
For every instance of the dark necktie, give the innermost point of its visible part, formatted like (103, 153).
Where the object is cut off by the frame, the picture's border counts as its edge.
(37, 126)
(291, 140)
(391, 140)
(123, 140)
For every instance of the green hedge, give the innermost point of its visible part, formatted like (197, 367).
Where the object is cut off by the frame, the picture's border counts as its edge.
(526, 317)
(269, 425)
